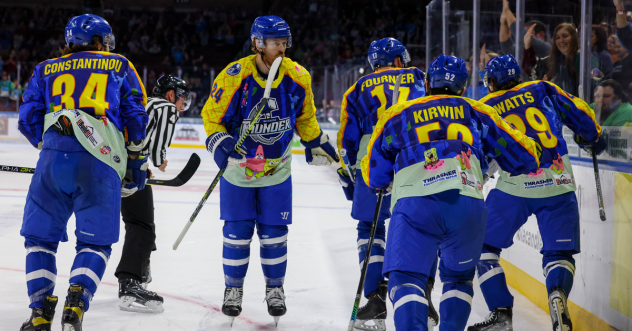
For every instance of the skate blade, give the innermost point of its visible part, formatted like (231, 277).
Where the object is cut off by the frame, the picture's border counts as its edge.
(67, 327)
(378, 325)
(431, 324)
(276, 320)
(558, 308)
(231, 319)
(128, 303)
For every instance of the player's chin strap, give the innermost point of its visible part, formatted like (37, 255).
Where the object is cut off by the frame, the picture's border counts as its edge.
(263, 59)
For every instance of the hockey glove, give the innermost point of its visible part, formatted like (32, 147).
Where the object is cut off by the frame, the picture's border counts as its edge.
(222, 146)
(346, 182)
(319, 151)
(388, 190)
(598, 146)
(135, 177)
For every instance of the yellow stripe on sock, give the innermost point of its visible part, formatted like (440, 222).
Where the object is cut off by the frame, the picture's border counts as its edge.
(535, 291)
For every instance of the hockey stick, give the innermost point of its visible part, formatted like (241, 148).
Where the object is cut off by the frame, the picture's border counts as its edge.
(262, 104)
(179, 180)
(184, 175)
(369, 248)
(345, 159)
(602, 212)
(365, 265)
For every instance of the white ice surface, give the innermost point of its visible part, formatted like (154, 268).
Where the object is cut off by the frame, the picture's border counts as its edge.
(321, 279)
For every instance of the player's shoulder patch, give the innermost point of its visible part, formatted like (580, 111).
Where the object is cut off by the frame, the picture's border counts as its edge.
(234, 69)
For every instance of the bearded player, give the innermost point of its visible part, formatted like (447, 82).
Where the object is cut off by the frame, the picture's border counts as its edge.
(256, 189)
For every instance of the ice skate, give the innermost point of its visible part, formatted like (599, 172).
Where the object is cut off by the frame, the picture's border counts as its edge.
(275, 297)
(372, 316)
(232, 302)
(499, 319)
(433, 316)
(74, 307)
(560, 317)
(41, 317)
(134, 297)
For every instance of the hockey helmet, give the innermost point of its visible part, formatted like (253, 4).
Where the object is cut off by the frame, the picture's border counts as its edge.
(167, 83)
(268, 27)
(502, 69)
(81, 29)
(447, 71)
(383, 52)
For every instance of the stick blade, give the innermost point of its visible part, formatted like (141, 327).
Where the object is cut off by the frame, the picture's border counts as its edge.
(189, 169)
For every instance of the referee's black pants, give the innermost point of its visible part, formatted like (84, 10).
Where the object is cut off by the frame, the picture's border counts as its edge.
(140, 234)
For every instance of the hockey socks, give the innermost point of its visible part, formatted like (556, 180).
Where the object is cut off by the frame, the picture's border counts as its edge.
(410, 306)
(559, 270)
(88, 268)
(374, 271)
(456, 301)
(236, 252)
(273, 253)
(41, 270)
(491, 278)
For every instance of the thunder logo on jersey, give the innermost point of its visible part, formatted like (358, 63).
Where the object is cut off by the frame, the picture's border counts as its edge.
(272, 127)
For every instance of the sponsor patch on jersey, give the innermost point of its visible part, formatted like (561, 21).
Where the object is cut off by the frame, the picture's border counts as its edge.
(468, 180)
(440, 177)
(89, 132)
(116, 158)
(538, 183)
(105, 150)
(565, 179)
(234, 69)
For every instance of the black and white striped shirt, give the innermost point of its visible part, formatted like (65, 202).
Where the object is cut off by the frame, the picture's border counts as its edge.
(163, 117)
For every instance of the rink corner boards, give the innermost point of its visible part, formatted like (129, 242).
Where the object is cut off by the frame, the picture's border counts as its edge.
(535, 291)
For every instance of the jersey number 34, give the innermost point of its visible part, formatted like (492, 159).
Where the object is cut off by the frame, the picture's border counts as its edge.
(93, 95)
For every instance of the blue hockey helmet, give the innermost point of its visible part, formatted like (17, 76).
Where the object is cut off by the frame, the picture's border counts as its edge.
(383, 52)
(447, 71)
(268, 27)
(502, 69)
(81, 29)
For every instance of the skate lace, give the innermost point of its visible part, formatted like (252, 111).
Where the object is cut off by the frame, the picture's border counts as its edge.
(490, 318)
(275, 297)
(233, 297)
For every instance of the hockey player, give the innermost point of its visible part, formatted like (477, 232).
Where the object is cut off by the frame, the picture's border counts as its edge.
(256, 188)
(171, 96)
(433, 151)
(362, 105)
(75, 110)
(538, 109)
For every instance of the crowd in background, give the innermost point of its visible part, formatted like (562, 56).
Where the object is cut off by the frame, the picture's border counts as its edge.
(194, 42)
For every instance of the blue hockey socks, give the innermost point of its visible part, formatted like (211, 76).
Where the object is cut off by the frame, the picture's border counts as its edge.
(410, 306)
(456, 301)
(559, 270)
(89, 267)
(374, 271)
(236, 251)
(491, 278)
(41, 271)
(273, 240)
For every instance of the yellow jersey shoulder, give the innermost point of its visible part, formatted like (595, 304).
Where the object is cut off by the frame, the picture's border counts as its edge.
(296, 71)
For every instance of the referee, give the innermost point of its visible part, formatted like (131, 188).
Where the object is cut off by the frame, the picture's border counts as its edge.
(171, 96)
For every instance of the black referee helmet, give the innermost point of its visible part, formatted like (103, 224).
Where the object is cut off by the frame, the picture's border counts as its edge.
(169, 82)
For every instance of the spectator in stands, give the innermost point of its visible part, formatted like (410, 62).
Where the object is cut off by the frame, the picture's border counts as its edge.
(562, 65)
(507, 25)
(484, 57)
(6, 87)
(623, 67)
(599, 42)
(612, 105)
(612, 41)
